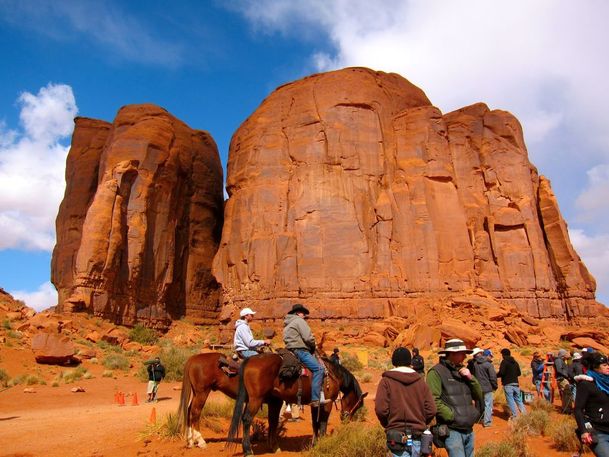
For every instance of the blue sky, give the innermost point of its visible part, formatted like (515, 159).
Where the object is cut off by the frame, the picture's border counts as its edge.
(212, 63)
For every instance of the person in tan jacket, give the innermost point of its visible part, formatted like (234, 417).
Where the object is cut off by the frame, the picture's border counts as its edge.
(404, 405)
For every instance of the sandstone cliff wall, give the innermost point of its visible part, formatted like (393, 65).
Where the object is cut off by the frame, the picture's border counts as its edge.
(141, 219)
(350, 192)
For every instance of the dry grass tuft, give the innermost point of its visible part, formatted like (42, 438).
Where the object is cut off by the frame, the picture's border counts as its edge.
(351, 440)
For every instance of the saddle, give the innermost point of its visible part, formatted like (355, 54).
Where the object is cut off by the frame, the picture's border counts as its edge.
(229, 367)
(291, 368)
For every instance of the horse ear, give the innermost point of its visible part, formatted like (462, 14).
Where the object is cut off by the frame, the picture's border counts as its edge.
(364, 395)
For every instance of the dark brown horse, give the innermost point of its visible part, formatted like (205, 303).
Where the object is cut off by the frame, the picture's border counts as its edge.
(259, 383)
(202, 374)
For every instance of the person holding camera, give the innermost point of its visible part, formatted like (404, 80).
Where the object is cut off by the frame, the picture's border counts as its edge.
(404, 406)
(592, 404)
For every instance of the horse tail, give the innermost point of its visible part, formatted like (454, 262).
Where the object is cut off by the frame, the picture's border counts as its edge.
(240, 402)
(185, 398)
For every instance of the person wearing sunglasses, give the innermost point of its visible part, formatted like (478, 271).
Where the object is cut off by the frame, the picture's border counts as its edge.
(592, 404)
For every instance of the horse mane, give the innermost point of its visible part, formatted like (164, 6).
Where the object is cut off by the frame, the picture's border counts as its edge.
(348, 381)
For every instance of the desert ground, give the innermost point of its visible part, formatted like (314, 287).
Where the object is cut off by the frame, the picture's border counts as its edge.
(43, 420)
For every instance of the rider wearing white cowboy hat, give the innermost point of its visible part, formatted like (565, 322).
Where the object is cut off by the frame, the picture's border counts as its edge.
(244, 342)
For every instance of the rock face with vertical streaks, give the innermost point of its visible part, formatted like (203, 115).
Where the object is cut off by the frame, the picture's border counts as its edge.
(141, 219)
(351, 192)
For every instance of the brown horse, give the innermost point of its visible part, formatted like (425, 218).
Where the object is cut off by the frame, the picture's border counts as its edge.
(202, 374)
(259, 383)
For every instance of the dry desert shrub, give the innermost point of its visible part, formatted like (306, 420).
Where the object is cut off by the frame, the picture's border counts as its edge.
(542, 404)
(143, 335)
(351, 362)
(116, 362)
(562, 433)
(4, 377)
(214, 411)
(515, 445)
(535, 422)
(168, 428)
(351, 440)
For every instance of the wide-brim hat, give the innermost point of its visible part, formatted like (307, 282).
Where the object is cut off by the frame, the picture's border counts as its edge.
(455, 345)
(298, 308)
(477, 351)
(246, 311)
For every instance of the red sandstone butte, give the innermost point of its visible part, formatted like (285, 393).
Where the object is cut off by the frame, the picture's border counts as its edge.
(141, 219)
(351, 192)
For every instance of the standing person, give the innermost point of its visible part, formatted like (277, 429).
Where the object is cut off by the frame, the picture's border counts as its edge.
(537, 364)
(404, 405)
(575, 369)
(562, 380)
(509, 371)
(484, 371)
(418, 364)
(156, 372)
(335, 357)
(299, 339)
(454, 390)
(244, 342)
(592, 404)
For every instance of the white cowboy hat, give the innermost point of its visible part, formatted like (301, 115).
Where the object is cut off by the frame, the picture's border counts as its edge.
(455, 345)
(477, 351)
(246, 311)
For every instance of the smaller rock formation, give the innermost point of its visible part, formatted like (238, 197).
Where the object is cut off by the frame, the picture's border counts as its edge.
(140, 221)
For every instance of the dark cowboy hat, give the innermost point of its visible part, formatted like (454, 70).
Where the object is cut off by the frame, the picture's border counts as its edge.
(298, 308)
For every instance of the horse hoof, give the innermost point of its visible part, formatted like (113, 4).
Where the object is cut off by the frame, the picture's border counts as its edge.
(202, 445)
(278, 450)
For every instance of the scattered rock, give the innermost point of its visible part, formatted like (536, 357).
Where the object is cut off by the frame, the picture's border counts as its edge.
(93, 336)
(29, 390)
(584, 342)
(53, 349)
(77, 389)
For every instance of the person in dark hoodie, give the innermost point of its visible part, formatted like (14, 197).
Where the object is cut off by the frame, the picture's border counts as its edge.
(592, 403)
(455, 390)
(418, 363)
(575, 369)
(403, 405)
(509, 371)
(484, 371)
(562, 379)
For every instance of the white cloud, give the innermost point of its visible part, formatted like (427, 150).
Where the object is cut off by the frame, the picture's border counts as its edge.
(44, 297)
(593, 202)
(594, 251)
(544, 61)
(32, 168)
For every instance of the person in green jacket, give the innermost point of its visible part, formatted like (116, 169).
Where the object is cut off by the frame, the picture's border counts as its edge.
(455, 391)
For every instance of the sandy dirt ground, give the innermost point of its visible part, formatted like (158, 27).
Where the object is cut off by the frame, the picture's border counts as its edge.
(55, 422)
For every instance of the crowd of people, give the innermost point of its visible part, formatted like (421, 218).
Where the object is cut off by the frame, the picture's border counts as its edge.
(455, 393)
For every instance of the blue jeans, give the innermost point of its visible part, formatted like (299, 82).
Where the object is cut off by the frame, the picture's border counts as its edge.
(310, 361)
(488, 409)
(414, 452)
(459, 444)
(514, 399)
(247, 353)
(546, 391)
(602, 448)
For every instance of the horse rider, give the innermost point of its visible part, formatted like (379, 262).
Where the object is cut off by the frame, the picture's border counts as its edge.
(244, 342)
(299, 339)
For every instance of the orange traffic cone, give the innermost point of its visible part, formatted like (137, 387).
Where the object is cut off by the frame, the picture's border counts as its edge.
(121, 399)
(134, 401)
(152, 418)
